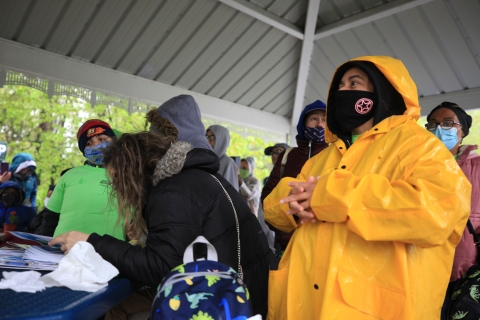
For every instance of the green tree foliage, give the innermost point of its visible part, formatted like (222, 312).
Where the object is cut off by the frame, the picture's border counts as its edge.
(46, 128)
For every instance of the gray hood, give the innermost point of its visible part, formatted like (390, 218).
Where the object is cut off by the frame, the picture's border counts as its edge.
(222, 139)
(251, 164)
(185, 115)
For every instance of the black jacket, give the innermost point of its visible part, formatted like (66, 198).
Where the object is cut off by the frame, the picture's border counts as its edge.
(182, 207)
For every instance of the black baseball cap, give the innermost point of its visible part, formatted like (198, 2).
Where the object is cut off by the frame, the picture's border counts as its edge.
(268, 151)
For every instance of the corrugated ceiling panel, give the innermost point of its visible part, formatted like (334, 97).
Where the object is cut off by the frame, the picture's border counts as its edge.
(128, 32)
(153, 35)
(283, 95)
(11, 12)
(323, 66)
(404, 51)
(99, 30)
(221, 45)
(71, 26)
(218, 20)
(312, 94)
(262, 3)
(368, 4)
(281, 8)
(331, 49)
(327, 13)
(186, 28)
(39, 23)
(239, 49)
(297, 11)
(318, 82)
(286, 108)
(372, 40)
(468, 13)
(257, 89)
(426, 44)
(247, 62)
(346, 8)
(276, 87)
(350, 44)
(249, 80)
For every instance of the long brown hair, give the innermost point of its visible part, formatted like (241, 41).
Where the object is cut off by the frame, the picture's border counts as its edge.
(130, 162)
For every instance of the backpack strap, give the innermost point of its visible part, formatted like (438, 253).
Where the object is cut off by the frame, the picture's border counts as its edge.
(284, 161)
(476, 241)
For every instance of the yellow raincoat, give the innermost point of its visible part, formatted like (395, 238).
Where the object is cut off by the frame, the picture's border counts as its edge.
(390, 211)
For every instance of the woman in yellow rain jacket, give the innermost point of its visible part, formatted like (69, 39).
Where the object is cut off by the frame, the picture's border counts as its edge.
(379, 211)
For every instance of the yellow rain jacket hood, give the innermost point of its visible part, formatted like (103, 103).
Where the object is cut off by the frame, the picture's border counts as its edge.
(391, 208)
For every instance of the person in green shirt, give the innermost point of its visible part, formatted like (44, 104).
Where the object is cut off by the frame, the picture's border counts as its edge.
(80, 200)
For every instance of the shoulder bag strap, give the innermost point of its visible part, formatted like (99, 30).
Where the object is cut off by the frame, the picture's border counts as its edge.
(284, 161)
(240, 271)
(475, 237)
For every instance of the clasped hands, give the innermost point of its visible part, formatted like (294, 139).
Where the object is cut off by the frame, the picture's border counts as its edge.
(299, 199)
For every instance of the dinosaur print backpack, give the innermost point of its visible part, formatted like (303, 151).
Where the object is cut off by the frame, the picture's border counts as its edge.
(465, 303)
(202, 290)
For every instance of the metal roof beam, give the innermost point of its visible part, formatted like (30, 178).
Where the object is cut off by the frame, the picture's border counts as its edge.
(368, 16)
(304, 66)
(19, 57)
(264, 16)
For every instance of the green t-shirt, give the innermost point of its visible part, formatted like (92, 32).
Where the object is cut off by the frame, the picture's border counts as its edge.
(82, 199)
(355, 137)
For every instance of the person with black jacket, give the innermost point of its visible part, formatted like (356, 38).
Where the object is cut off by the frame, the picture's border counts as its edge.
(168, 188)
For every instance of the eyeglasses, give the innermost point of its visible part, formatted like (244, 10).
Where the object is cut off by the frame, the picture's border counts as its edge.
(278, 151)
(446, 125)
(211, 138)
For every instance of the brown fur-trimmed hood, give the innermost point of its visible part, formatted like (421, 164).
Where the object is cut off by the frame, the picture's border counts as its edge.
(172, 162)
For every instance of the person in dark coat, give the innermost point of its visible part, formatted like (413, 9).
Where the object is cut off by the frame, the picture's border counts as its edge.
(310, 141)
(166, 187)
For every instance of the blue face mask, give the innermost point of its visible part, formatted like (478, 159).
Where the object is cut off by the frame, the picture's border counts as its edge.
(95, 154)
(316, 134)
(449, 137)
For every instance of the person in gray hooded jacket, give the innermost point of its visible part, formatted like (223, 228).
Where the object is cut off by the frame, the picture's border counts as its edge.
(249, 187)
(219, 139)
(184, 113)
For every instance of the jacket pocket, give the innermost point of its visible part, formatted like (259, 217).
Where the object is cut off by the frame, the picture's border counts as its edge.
(277, 294)
(370, 298)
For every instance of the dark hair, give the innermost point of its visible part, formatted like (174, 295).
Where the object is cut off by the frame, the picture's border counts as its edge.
(130, 161)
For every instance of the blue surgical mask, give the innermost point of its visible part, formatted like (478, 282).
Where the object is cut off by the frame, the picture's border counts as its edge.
(316, 134)
(449, 137)
(95, 154)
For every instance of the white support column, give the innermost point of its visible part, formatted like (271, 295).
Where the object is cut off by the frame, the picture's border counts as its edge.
(264, 16)
(307, 49)
(19, 57)
(371, 15)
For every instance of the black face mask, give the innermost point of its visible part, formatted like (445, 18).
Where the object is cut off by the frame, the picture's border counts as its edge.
(11, 199)
(353, 108)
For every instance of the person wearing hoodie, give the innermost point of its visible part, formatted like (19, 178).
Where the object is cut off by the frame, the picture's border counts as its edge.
(378, 213)
(248, 185)
(23, 168)
(450, 123)
(155, 189)
(80, 200)
(11, 205)
(219, 139)
(310, 140)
